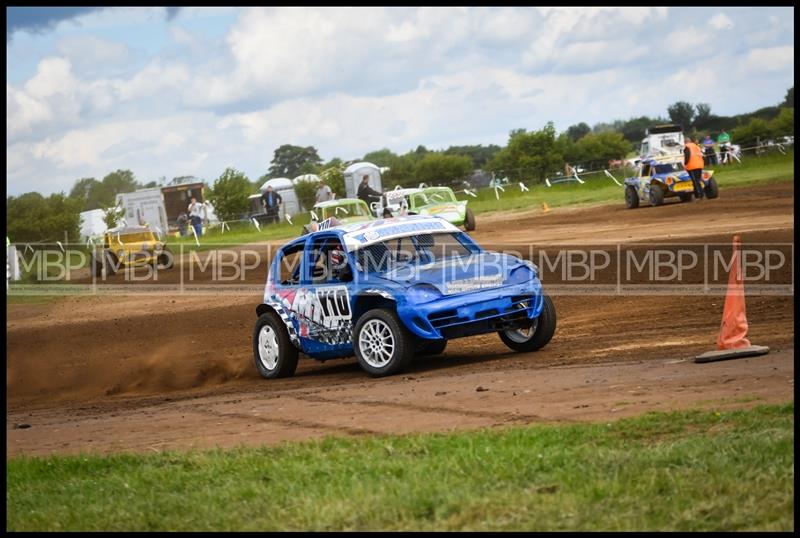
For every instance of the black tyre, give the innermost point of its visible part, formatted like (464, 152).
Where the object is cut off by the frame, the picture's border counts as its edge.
(656, 194)
(111, 262)
(97, 266)
(469, 221)
(274, 353)
(712, 190)
(427, 348)
(382, 344)
(685, 196)
(631, 197)
(537, 335)
(165, 260)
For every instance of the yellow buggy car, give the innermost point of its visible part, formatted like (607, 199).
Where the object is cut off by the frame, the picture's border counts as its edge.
(130, 246)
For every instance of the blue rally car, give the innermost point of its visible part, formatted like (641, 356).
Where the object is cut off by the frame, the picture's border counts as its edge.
(389, 290)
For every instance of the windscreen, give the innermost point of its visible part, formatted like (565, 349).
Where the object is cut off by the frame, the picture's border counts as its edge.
(416, 249)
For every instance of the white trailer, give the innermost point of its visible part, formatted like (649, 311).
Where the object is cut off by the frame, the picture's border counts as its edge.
(354, 173)
(663, 142)
(145, 207)
(92, 223)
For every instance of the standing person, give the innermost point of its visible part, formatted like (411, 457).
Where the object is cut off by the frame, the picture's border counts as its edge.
(196, 216)
(710, 156)
(693, 163)
(182, 220)
(367, 193)
(324, 192)
(272, 203)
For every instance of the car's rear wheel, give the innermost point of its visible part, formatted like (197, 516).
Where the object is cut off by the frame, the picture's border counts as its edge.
(382, 344)
(656, 194)
(274, 354)
(711, 189)
(537, 334)
(111, 261)
(469, 220)
(631, 197)
(165, 260)
(685, 196)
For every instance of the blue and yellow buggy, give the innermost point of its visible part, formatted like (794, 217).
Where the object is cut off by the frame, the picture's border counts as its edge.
(657, 181)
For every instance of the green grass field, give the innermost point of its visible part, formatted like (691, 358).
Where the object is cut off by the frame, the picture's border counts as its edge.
(599, 188)
(694, 471)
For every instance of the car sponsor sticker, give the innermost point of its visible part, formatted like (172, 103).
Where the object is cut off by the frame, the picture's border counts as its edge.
(473, 284)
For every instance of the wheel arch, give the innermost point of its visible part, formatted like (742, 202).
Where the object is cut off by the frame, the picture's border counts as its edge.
(370, 299)
(264, 308)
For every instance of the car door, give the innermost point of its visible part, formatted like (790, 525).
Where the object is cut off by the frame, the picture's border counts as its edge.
(325, 302)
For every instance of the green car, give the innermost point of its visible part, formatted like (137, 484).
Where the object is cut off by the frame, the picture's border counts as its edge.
(432, 201)
(342, 211)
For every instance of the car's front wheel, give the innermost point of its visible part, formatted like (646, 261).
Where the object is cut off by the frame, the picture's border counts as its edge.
(274, 354)
(469, 220)
(631, 197)
(535, 336)
(382, 344)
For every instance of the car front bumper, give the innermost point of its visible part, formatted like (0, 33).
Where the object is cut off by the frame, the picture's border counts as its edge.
(478, 312)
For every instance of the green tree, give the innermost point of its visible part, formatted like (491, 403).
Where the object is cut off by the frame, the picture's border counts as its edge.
(381, 157)
(306, 193)
(112, 216)
(789, 99)
(783, 125)
(534, 154)
(32, 217)
(576, 132)
(334, 177)
(681, 113)
(288, 160)
(83, 188)
(479, 154)
(102, 194)
(703, 115)
(755, 132)
(229, 194)
(595, 149)
(437, 168)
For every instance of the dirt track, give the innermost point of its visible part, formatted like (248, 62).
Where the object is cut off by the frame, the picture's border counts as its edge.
(170, 371)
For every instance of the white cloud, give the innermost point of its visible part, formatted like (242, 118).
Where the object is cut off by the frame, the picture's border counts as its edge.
(720, 21)
(91, 53)
(764, 60)
(349, 81)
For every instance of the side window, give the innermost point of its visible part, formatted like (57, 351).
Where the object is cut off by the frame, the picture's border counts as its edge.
(329, 263)
(645, 170)
(289, 265)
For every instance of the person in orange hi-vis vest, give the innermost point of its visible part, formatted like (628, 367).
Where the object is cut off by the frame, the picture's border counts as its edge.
(693, 163)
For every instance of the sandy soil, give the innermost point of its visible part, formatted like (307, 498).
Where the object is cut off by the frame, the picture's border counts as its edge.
(168, 370)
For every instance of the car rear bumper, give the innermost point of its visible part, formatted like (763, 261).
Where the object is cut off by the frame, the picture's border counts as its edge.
(479, 312)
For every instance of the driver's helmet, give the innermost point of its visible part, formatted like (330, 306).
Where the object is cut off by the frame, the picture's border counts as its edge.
(338, 258)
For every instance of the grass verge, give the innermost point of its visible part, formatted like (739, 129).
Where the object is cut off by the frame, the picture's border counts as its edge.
(694, 471)
(599, 188)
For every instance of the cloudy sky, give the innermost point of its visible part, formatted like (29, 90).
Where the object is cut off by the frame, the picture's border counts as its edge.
(190, 91)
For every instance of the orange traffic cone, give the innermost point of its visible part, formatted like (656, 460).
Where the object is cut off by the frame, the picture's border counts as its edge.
(733, 330)
(545, 209)
(732, 342)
